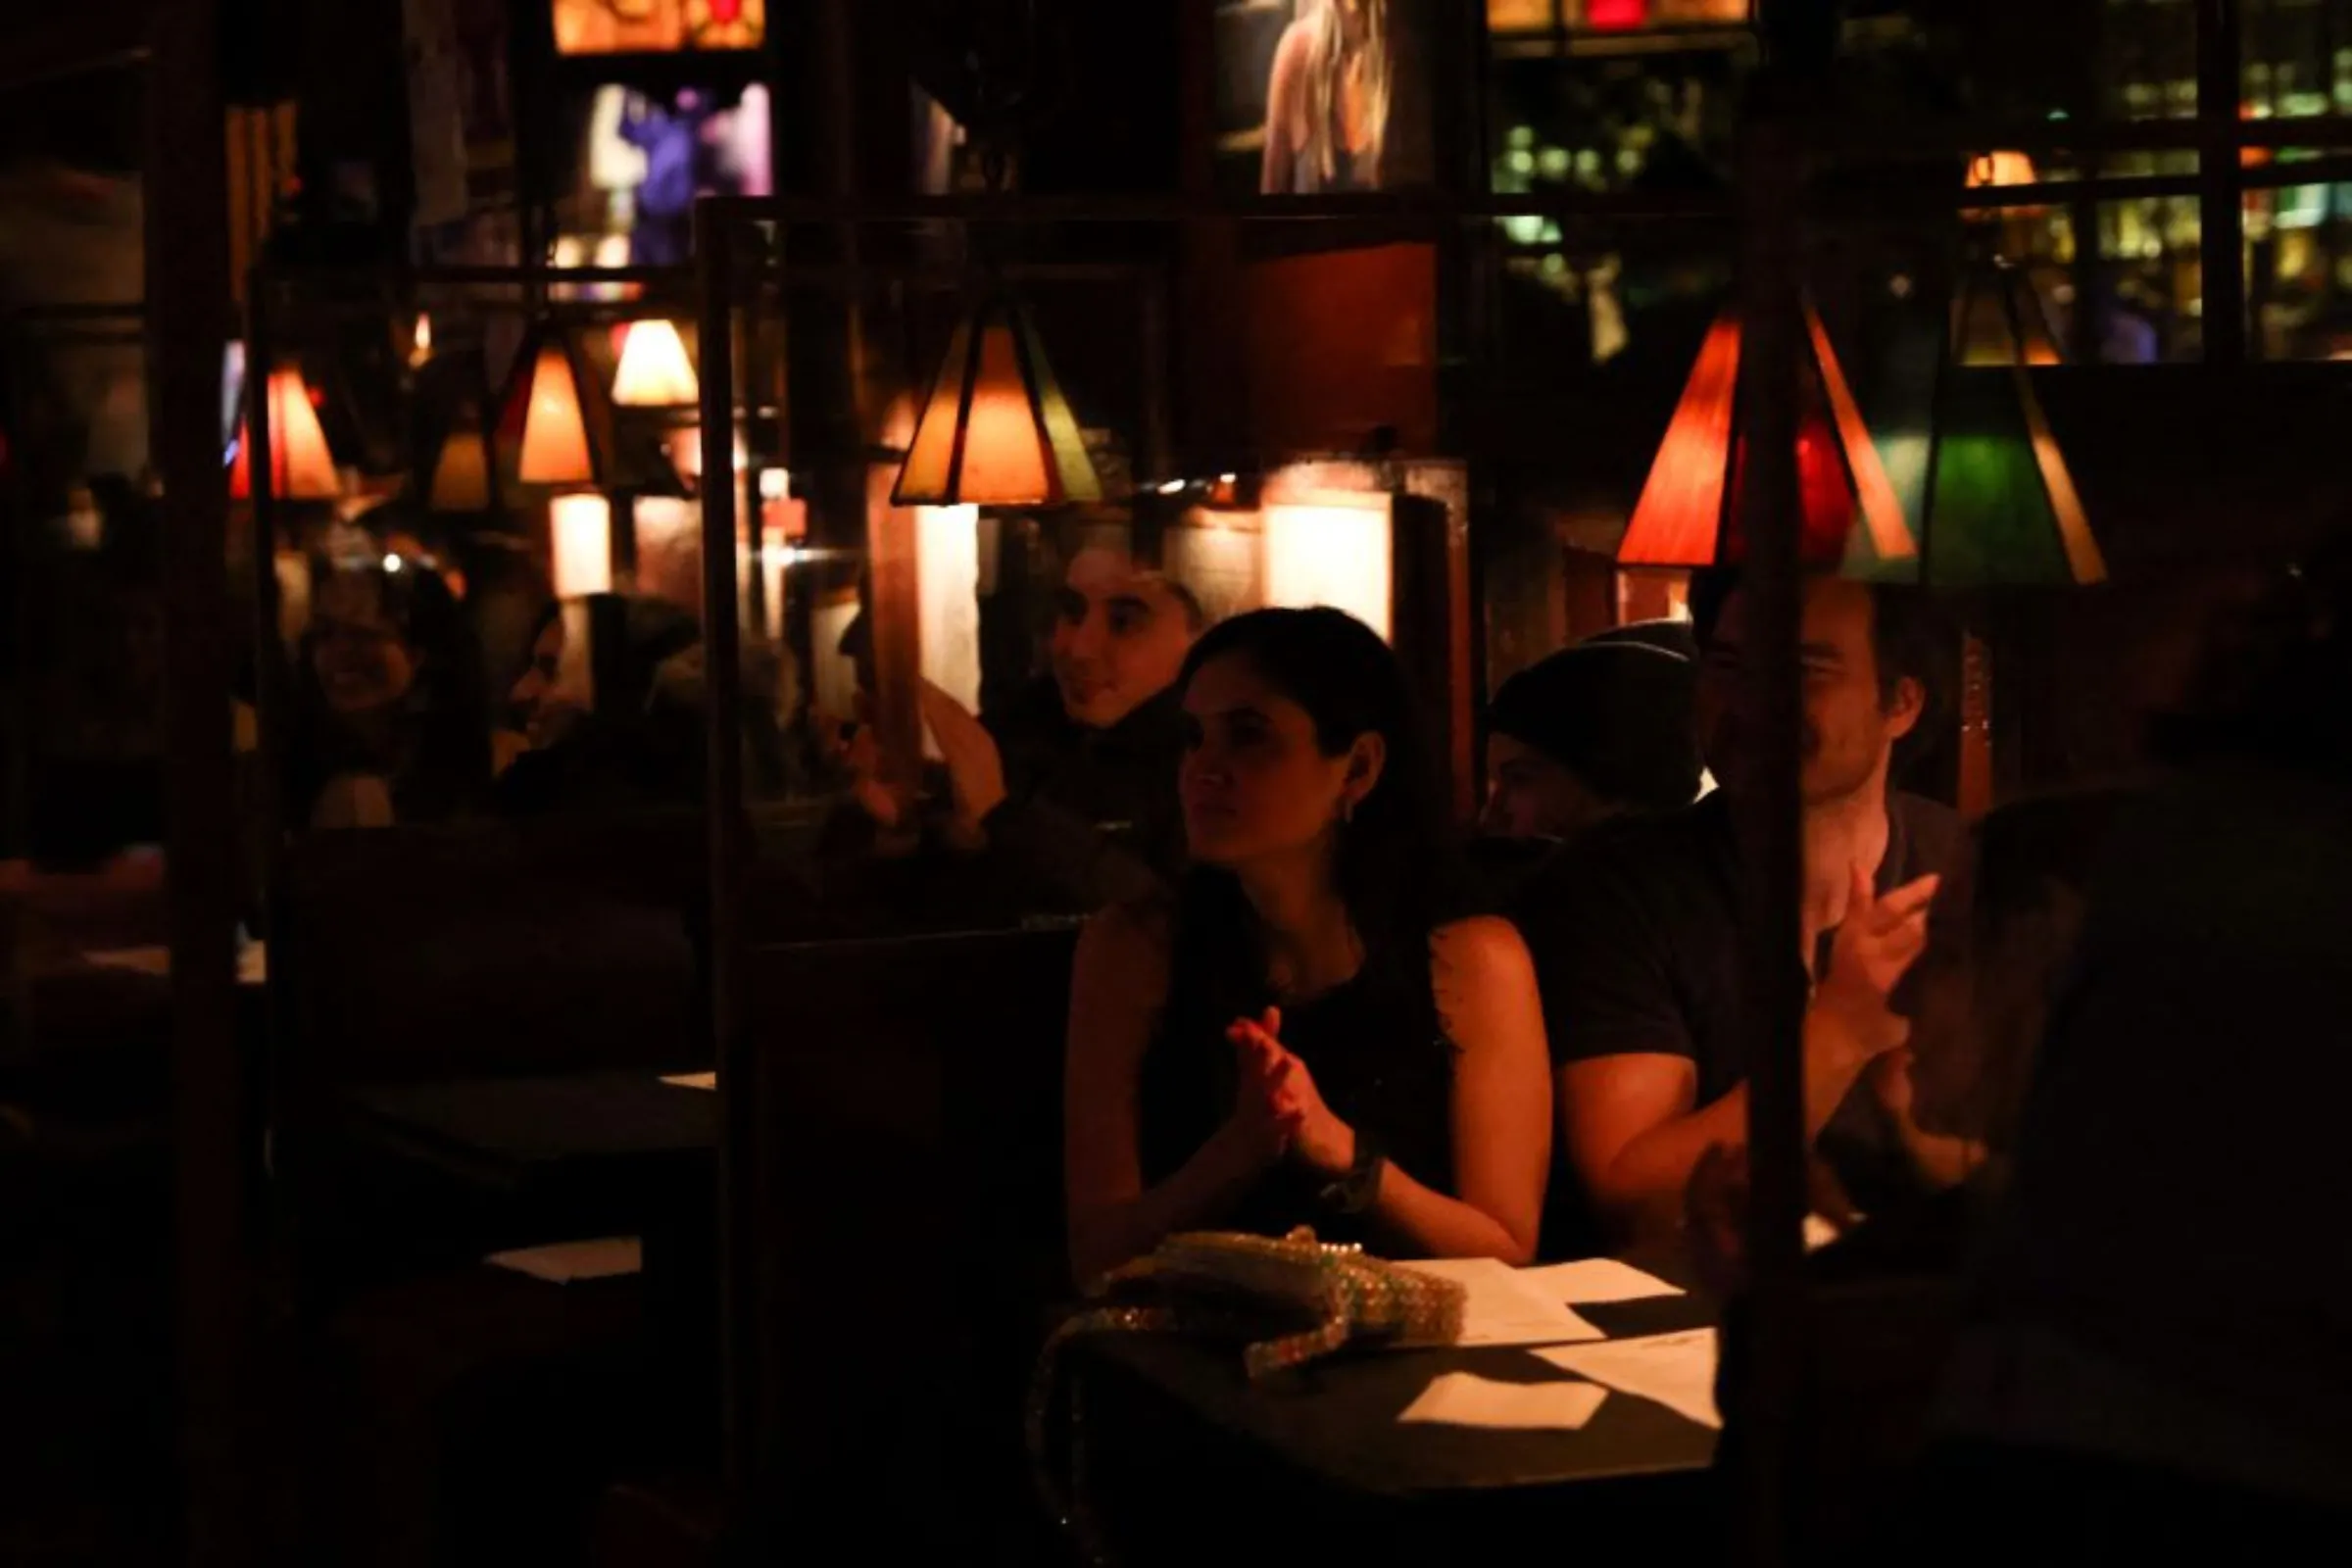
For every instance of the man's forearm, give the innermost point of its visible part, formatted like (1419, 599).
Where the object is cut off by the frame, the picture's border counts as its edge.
(1646, 1183)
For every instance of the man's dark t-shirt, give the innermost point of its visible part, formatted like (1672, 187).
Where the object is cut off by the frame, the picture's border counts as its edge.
(1635, 938)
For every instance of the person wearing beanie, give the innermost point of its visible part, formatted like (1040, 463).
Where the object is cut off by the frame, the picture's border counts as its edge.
(1602, 729)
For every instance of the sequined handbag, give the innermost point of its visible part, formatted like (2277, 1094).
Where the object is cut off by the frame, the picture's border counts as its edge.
(1284, 1302)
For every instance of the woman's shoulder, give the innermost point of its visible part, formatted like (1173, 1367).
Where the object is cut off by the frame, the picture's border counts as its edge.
(1487, 940)
(1471, 956)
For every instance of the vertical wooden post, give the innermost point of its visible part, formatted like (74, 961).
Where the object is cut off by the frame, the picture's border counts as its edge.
(728, 844)
(1768, 816)
(1976, 726)
(188, 294)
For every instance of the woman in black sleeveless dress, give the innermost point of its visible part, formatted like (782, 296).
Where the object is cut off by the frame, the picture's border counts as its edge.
(1296, 1036)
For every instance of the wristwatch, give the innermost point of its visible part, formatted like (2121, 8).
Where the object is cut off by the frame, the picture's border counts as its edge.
(1358, 1189)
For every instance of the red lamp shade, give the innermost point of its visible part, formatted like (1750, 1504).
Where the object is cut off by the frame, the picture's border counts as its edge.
(1687, 516)
(1616, 15)
(996, 430)
(301, 467)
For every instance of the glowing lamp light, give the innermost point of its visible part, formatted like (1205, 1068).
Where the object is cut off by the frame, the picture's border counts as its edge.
(461, 481)
(1336, 555)
(556, 449)
(996, 430)
(654, 371)
(1687, 516)
(946, 557)
(581, 544)
(421, 347)
(301, 467)
(2002, 507)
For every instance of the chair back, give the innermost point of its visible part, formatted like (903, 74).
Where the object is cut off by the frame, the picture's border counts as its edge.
(906, 1189)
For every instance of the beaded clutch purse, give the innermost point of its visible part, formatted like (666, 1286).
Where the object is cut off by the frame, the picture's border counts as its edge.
(1286, 1303)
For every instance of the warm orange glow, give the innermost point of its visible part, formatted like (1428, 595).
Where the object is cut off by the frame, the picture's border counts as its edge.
(996, 430)
(1679, 519)
(2004, 168)
(554, 430)
(1690, 500)
(300, 468)
(421, 347)
(1004, 456)
(462, 473)
(580, 532)
(1342, 554)
(654, 371)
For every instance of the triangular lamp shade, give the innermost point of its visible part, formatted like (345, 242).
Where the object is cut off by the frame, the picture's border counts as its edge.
(996, 430)
(461, 481)
(556, 449)
(654, 370)
(1687, 516)
(2002, 507)
(301, 467)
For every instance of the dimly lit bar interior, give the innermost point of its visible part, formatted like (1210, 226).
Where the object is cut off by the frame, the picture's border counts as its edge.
(1175, 781)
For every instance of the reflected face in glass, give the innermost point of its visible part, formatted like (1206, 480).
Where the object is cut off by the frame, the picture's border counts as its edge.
(529, 701)
(1850, 724)
(1120, 634)
(1532, 795)
(360, 656)
(1256, 783)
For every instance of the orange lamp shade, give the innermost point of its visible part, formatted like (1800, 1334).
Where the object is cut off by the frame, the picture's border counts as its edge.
(461, 481)
(654, 370)
(996, 430)
(301, 467)
(554, 430)
(1688, 513)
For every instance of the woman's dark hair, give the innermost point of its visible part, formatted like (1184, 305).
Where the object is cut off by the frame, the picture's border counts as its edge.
(1390, 849)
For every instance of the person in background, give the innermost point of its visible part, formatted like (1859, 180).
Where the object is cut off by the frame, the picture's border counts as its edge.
(388, 726)
(1069, 795)
(537, 710)
(1327, 100)
(625, 750)
(1299, 1035)
(2002, 934)
(1638, 943)
(2158, 1331)
(1596, 731)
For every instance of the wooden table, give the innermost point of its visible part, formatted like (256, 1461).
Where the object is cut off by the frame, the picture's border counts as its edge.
(1189, 1455)
(512, 1134)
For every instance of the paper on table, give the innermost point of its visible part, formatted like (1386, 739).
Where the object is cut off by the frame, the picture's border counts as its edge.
(693, 1080)
(253, 961)
(567, 1261)
(1502, 1308)
(1598, 1279)
(1466, 1399)
(1676, 1370)
(155, 962)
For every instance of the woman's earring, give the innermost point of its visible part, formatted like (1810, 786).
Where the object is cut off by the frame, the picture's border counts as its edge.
(1347, 810)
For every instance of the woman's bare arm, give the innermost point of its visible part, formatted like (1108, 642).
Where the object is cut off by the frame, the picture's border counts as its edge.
(1501, 1112)
(1118, 986)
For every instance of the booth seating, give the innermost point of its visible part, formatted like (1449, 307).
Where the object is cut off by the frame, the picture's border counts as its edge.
(906, 1188)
